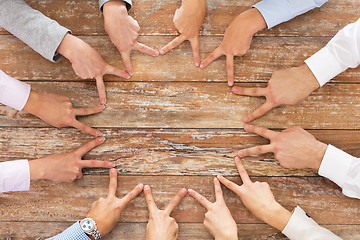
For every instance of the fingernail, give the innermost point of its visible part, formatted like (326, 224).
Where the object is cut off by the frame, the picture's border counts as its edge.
(98, 133)
(156, 53)
(141, 185)
(240, 153)
(147, 187)
(183, 190)
(201, 66)
(190, 190)
(246, 127)
(216, 180)
(219, 177)
(102, 139)
(111, 164)
(128, 76)
(237, 159)
(161, 52)
(113, 170)
(245, 119)
(101, 107)
(103, 100)
(197, 64)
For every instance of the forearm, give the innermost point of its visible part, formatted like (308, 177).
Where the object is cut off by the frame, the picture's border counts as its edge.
(279, 11)
(38, 31)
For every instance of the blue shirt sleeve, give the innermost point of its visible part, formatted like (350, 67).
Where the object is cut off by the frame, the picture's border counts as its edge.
(72, 233)
(279, 11)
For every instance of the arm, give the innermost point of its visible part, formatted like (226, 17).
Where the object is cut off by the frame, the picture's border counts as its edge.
(259, 199)
(14, 176)
(32, 27)
(73, 232)
(279, 11)
(342, 52)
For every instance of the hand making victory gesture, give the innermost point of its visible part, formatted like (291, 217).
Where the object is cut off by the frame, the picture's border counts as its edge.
(188, 20)
(218, 220)
(293, 147)
(123, 31)
(161, 226)
(237, 40)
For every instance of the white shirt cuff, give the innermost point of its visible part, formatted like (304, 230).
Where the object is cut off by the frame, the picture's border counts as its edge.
(14, 176)
(302, 227)
(335, 165)
(324, 66)
(13, 93)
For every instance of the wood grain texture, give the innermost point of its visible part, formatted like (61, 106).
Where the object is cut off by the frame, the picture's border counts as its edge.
(266, 55)
(155, 17)
(197, 105)
(47, 201)
(167, 151)
(33, 230)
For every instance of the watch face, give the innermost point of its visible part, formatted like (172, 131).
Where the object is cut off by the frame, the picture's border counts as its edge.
(87, 225)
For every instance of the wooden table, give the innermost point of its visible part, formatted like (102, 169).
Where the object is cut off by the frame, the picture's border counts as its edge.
(172, 125)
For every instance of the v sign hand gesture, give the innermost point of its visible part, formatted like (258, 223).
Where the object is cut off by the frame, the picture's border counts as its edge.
(188, 19)
(218, 220)
(161, 226)
(258, 198)
(106, 211)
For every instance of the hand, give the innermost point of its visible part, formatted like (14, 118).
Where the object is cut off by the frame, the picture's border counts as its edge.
(161, 226)
(188, 20)
(218, 220)
(123, 32)
(58, 111)
(258, 198)
(293, 147)
(66, 167)
(106, 211)
(87, 63)
(287, 86)
(237, 40)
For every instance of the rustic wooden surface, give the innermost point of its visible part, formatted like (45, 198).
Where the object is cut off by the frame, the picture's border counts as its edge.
(178, 128)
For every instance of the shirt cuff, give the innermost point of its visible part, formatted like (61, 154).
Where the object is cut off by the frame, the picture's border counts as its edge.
(128, 4)
(324, 66)
(13, 93)
(335, 165)
(14, 176)
(72, 233)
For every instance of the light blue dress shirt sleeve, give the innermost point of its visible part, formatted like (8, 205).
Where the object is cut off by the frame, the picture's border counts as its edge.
(72, 233)
(279, 11)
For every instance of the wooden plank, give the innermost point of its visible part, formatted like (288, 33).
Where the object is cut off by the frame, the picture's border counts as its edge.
(266, 55)
(48, 201)
(32, 230)
(167, 151)
(197, 105)
(155, 17)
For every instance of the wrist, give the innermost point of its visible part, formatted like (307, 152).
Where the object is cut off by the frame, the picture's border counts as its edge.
(69, 46)
(319, 155)
(307, 77)
(37, 169)
(253, 20)
(33, 103)
(119, 5)
(277, 216)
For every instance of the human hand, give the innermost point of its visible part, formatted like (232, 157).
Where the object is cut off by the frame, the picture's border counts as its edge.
(188, 20)
(58, 111)
(218, 219)
(87, 63)
(66, 167)
(286, 86)
(123, 31)
(293, 147)
(237, 40)
(161, 226)
(258, 198)
(106, 211)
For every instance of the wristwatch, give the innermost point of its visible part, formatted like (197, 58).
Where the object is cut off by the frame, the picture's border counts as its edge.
(88, 225)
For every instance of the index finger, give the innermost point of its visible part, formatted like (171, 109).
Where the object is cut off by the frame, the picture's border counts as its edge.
(175, 201)
(149, 200)
(127, 62)
(116, 71)
(218, 191)
(88, 146)
(230, 69)
(88, 111)
(214, 55)
(145, 49)
(261, 131)
(201, 199)
(261, 111)
(253, 92)
(173, 44)
(85, 128)
(242, 171)
(101, 88)
(195, 49)
(131, 195)
(113, 182)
